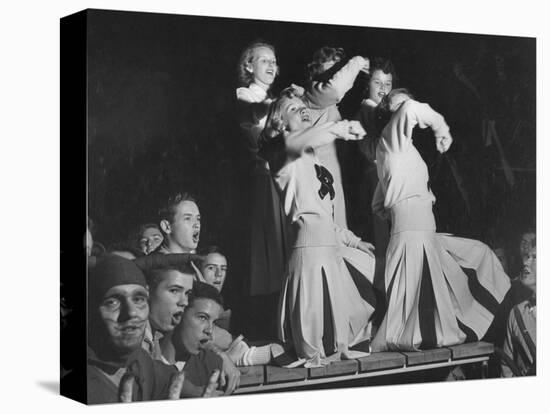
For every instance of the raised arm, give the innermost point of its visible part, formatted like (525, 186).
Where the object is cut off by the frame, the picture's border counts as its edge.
(318, 135)
(398, 132)
(324, 94)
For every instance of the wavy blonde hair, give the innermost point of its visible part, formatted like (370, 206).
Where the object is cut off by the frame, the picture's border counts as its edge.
(247, 56)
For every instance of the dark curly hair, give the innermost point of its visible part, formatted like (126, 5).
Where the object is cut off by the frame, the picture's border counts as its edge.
(386, 66)
(321, 56)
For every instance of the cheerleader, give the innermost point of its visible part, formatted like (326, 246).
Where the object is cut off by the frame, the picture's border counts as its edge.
(442, 290)
(327, 296)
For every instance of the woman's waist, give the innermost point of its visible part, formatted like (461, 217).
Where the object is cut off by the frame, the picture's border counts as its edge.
(313, 230)
(412, 214)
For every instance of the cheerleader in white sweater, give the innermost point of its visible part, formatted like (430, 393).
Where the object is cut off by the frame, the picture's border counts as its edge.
(327, 297)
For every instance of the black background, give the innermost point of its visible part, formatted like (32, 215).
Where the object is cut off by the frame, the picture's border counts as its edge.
(161, 117)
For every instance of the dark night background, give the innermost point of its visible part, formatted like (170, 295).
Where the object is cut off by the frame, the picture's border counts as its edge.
(161, 117)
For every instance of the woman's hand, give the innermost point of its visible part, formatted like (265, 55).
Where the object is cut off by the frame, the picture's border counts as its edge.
(366, 66)
(356, 129)
(350, 130)
(297, 90)
(366, 247)
(443, 142)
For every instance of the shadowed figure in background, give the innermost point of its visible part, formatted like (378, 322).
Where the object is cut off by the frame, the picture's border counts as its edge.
(518, 357)
(266, 239)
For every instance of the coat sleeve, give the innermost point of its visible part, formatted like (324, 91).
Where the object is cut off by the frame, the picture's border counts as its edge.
(398, 132)
(316, 136)
(324, 94)
(508, 348)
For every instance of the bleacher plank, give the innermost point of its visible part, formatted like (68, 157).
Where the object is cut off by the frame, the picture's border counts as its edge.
(258, 378)
(253, 375)
(427, 356)
(471, 350)
(335, 368)
(381, 360)
(279, 374)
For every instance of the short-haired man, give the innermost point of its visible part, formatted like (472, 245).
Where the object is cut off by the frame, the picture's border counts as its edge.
(195, 331)
(180, 222)
(519, 351)
(169, 289)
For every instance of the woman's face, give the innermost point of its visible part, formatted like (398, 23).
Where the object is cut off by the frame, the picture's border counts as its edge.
(263, 66)
(150, 239)
(528, 275)
(295, 114)
(380, 85)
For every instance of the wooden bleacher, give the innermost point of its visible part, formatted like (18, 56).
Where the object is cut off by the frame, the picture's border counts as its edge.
(266, 377)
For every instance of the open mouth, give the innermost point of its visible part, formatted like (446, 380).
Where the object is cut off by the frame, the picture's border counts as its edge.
(203, 342)
(196, 236)
(176, 318)
(270, 72)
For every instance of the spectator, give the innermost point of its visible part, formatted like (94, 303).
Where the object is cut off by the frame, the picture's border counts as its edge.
(149, 237)
(180, 222)
(194, 332)
(170, 288)
(214, 271)
(519, 351)
(118, 312)
(214, 267)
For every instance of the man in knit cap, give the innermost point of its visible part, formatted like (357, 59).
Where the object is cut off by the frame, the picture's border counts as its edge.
(118, 310)
(118, 369)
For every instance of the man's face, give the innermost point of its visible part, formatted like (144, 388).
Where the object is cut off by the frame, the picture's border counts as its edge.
(525, 243)
(214, 270)
(124, 311)
(150, 239)
(185, 229)
(529, 272)
(197, 324)
(169, 299)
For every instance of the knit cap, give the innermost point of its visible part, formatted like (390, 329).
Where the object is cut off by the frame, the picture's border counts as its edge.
(110, 271)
